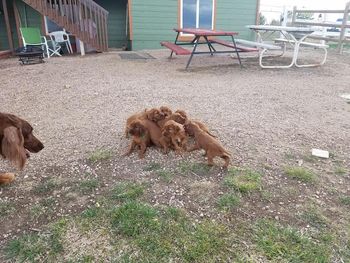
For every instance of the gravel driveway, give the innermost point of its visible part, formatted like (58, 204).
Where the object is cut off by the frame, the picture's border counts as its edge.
(79, 104)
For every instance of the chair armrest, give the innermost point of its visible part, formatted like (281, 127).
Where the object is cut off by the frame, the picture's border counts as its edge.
(44, 39)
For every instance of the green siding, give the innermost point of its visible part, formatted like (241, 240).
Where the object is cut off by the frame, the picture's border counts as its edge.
(29, 16)
(153, 20)
(116, 22)
(3, 33)
(234, 15)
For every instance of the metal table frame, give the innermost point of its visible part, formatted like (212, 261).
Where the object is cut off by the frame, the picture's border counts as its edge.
(205, 33)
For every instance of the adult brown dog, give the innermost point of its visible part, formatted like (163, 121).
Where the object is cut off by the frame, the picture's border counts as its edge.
(204, 141)
(201, 125)
(148, 128)
(177, 135)
(16, 139)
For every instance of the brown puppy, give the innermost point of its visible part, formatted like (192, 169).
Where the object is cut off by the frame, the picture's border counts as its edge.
(16, 139)
(140, 137)
(175, 117)
(200, 124)
(155, 115)
(206, 142)
(150, 129)
(135, 116)
(177, 134)
(166, 111)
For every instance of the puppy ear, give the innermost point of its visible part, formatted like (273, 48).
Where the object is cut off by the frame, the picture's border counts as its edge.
(12, 146)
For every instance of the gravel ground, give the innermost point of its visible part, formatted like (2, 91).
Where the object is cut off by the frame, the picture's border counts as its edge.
(79, 104)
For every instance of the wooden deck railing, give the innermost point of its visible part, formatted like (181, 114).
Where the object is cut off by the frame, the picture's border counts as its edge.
(83, 18)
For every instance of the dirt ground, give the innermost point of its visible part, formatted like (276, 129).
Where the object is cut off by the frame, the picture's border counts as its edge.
(267, 119)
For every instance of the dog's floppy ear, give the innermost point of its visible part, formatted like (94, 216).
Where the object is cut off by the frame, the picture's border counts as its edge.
(12, 146)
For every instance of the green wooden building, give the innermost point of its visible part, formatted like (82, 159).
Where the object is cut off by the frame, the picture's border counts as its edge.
(135, 24)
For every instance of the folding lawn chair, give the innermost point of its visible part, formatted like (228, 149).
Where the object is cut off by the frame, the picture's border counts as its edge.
(32, 37)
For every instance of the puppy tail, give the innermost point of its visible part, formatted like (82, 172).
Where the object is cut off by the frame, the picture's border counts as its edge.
(6, 178)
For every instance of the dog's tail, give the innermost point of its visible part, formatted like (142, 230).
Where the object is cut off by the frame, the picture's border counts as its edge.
(6, 178)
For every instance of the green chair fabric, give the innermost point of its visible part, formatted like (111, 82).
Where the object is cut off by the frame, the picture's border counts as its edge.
(31, 35)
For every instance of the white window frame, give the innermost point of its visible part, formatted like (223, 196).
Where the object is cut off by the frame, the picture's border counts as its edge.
(197, 15)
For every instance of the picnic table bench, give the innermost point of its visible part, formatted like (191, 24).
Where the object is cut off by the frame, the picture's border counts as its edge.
(209, 39)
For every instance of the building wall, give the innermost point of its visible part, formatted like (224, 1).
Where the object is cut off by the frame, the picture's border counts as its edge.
(153, 20)
(3, 33)
(116, 22)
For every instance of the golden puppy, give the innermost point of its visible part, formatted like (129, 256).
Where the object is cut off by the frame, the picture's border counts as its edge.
(204, 141)
(140, 137)
(177, 134)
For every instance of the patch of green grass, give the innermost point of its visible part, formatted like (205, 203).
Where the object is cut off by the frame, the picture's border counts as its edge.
(309, 158)
(299, 173)
(197, 168)
(153, 166)
(228, 201)
(44, 207)
(243, 180)
(166, 175)
(286, 244)
(6, 208)
(91, 212)
(314, 218)
(134, 218)
(45, 187)
(345, 200)
(100, 155)
(340, 171)
(88, 186)
(27, 248)
(36, 247)
(290, 156)
(127, 191)
(266, 195)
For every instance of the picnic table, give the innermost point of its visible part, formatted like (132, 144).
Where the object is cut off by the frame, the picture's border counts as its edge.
(209, 39)
(294, 36)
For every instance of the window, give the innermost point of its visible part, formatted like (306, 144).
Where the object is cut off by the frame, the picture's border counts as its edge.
(197, 14)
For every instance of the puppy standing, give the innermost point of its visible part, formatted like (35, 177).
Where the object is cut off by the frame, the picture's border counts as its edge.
(140, 137)
(16, 139)
(146, 132)
(204, 141)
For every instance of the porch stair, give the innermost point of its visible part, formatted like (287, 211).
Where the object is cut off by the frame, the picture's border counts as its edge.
(83, 18)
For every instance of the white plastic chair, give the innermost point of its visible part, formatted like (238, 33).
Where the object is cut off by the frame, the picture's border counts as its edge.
(61, 37)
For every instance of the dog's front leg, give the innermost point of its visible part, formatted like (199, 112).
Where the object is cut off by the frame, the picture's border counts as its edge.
(131, 148)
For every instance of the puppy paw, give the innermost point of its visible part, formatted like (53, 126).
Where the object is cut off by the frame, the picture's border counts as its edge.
(7, 178)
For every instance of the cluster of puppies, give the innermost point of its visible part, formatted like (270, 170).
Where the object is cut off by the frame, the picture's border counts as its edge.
(171, 130)
(160, 127)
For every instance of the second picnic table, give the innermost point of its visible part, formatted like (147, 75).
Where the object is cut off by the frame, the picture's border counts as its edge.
(207, 35)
